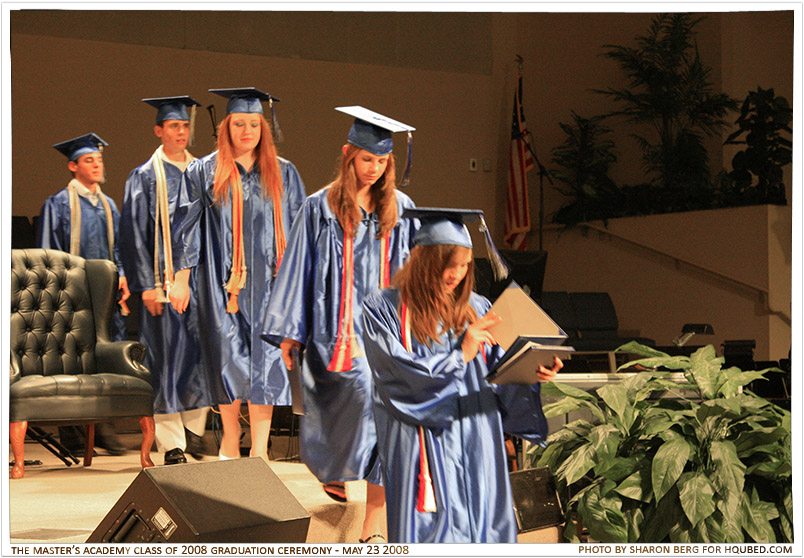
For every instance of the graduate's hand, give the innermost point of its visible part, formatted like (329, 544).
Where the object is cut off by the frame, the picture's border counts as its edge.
(122, 286)
(149, 300)
(548, 374)
(287, 346)
(476, 335)
(180, 291)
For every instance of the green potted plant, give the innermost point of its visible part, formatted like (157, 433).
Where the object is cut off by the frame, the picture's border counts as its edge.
(670, 89)
(764, 128)
(711, 464)
(583, 162)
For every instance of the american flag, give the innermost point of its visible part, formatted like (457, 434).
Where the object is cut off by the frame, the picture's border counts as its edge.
(517, 215)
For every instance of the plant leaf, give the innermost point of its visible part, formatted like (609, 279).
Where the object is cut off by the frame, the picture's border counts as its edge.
(636, 348)
(605, 440)
(668, 465)
(602, 515)
(696, 494)
(577, 465)
(637, 487)
(660, 517)
(755, 518)
(615, 396)
(731, 517)
(705, 369)
(728, 474)
(621, 467)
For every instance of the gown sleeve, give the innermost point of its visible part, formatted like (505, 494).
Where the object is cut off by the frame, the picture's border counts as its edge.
(48, 234)
(290, 306)
(186, 226)
(136, 235)
(116, 228)
(421, 390)
(294, 191)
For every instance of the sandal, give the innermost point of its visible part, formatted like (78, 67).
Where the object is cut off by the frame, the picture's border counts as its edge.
(335, 490)
(374, 536)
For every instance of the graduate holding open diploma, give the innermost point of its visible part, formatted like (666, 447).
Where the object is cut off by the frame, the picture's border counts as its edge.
(440, 424)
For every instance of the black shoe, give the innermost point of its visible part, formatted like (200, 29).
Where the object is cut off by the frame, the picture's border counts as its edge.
(195, 444)
(174, 457)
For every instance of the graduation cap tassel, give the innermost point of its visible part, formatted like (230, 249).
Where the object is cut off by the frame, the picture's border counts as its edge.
(214, 118)
(498, 265)
(406, 175)
(192, 125)
(278, 135)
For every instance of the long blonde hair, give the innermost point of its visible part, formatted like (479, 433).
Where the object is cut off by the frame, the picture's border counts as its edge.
(430, 304)
(342, 195)
(266, 161)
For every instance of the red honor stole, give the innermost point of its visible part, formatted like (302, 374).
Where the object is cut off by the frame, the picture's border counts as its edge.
(426, 499)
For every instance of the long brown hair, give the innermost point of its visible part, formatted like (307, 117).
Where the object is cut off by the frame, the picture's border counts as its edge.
(421, 287)
(342, 195)
(270, 174)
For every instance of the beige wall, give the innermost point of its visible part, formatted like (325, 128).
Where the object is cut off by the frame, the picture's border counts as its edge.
(655, 294)
(450, 75)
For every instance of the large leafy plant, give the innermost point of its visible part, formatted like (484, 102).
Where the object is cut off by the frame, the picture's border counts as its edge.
(764, 129)
(671, 90)
(583, 162)
(710, 464)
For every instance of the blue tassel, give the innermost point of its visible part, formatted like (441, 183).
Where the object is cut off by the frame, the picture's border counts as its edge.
(277, 131)
(498, 264)
(406, 176)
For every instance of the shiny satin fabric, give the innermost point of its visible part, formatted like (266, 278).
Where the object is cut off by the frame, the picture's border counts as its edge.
(463, 417)
(337, 434)
(171, 339)
(53, 231)
(238, 363)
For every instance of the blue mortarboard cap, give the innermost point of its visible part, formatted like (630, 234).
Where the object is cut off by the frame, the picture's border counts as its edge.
(441, 226)
(244, 99)
(372, 131)
(74, 148)
(172, 108)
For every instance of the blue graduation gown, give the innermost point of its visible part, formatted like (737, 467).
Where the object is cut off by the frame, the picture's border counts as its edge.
(53, 232)
(173, 352)
(238, 363)
(337, 433)
(463, 418)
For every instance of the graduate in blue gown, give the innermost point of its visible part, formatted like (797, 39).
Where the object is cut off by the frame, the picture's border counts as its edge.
(236, 207)
(81, 220)
(440, 424)
(181, 395)
(347, 241)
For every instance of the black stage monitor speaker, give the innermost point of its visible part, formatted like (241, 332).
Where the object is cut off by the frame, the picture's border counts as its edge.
(525, 267)
(536, 501)
(238, 500)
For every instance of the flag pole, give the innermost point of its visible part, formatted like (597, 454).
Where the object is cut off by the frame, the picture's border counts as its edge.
(542, 171)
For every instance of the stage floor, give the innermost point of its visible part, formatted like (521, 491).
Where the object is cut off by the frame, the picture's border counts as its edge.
(54, 503)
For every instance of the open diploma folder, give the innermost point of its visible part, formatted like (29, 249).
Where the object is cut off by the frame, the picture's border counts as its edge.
(528, 335)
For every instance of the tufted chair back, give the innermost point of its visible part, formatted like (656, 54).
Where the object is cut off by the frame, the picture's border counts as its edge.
(52, 320)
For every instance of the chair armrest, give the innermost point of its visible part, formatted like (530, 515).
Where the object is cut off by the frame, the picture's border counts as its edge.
(16, 368)
(122, 357)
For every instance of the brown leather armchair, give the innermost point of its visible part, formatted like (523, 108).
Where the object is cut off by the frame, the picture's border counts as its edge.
(65, 369)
